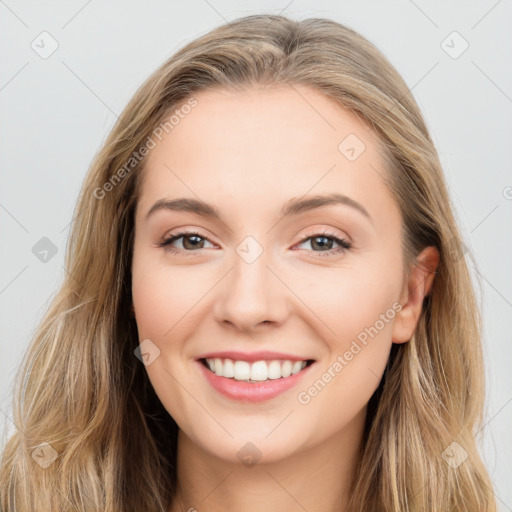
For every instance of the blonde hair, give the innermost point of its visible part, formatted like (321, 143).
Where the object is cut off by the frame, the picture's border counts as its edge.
(82, 390)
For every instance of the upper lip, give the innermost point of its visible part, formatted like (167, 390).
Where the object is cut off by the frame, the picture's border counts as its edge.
(253, 356)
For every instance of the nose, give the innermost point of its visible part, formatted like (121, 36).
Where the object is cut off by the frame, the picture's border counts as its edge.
(251, 294)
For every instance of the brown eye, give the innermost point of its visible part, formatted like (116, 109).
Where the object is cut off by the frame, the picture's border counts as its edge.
(191, 241)
(325, 241)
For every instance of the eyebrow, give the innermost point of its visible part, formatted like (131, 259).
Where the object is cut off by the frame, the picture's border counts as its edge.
(294, 206)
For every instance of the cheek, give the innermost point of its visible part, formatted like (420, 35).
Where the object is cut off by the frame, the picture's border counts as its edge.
(153, 304)
(164, 298)
(359, 318)
(162, 295)
(361, 337)
(356, 309)
(349, 301)
(357, 312)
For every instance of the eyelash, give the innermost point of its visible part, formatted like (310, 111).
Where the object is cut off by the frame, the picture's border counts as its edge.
(344, 244)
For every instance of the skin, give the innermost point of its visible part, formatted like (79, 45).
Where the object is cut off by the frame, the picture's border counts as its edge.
(248, 153)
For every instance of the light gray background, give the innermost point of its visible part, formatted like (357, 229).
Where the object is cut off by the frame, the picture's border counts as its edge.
(57, 111)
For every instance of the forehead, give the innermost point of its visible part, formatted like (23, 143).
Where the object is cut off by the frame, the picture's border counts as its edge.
(266, 144)
(280, 119)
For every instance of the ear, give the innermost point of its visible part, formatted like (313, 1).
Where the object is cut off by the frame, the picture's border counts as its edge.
(419, 286)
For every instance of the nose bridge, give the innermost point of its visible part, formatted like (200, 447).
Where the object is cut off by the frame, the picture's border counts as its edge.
(250, 295)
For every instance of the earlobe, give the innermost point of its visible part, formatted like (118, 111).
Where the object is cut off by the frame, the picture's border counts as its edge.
(419, 286)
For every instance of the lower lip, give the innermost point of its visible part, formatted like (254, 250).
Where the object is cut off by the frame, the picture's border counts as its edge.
(247, 392)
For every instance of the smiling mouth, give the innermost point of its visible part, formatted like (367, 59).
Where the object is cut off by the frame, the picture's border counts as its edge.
(257, 371)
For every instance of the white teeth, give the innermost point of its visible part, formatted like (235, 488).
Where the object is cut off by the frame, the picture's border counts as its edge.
(242, 370)
(228, 369)
(274, 370)
(286, 369)
(297, 366)
(254, 372)
(259, 371)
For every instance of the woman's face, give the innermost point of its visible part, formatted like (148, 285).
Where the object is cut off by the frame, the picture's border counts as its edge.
(266, 275)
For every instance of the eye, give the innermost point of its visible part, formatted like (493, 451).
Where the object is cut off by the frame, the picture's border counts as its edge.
(326, 239)
(192, 238)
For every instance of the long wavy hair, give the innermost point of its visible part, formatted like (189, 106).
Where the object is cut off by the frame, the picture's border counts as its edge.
(111, 444)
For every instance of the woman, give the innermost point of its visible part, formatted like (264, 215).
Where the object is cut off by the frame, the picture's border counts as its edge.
(267, 304)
